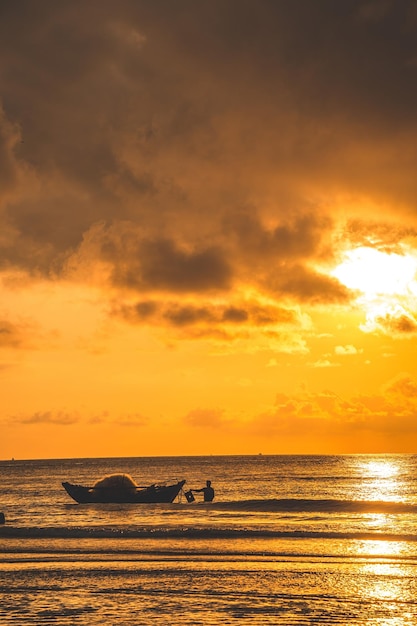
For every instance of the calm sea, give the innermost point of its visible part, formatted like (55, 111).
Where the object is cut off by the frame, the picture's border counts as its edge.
(287, 540)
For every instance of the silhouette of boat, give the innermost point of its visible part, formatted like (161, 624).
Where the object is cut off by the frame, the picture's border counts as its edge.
(121, 488)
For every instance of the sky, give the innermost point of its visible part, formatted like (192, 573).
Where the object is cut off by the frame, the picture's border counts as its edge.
(208, 227)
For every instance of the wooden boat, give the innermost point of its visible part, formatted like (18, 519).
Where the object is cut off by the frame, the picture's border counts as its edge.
(121, 488)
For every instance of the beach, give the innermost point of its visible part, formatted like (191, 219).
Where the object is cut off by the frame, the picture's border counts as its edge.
(287, 540)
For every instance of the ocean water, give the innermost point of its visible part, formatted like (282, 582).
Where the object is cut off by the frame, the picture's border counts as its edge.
(288, 540)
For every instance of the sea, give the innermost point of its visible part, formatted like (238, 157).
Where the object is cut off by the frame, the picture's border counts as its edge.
(287, 540)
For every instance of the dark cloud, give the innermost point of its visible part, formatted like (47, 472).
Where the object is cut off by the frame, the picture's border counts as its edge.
(307, 285)
(61, 418)
(252, 254)
(141, 310)
(235, 315)
(9, 136)
(188, 315)
(249, 314)
(396, 325)
(267, 325)
(171, 117)
(163, 265)
(13, 335)
(298, 238)
(276, 259)
(385, 236)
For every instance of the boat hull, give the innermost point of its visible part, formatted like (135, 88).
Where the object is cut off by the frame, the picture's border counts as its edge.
(105, 495)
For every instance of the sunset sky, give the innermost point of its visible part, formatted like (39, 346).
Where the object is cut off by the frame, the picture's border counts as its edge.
(208, 239)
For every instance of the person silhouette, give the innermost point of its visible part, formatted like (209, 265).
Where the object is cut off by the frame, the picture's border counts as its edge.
(207, 491)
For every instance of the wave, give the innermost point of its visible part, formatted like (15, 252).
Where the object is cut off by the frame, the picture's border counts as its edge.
(296, 505)
(193, 533)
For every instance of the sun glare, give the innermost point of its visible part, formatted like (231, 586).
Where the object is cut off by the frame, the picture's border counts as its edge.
(386, 286)
(380, 469)
(377, 273)
(380, 480)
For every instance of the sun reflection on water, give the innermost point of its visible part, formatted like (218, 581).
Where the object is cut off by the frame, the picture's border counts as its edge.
(381, 469)
(387, 577)
(381, 548)
(387, 582)
(380, 480)
(378, 521)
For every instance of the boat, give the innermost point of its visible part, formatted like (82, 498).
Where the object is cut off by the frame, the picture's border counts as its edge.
(121, 489)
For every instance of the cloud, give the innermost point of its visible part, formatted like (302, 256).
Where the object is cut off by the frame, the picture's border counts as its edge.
(245, 313)
(164, 266)
(15, 335)
(248, 324)
(404, 386)
(397, 323)
(202, 147)
(9, 136)
(132, 260)
(212, 419)
(276, 259)
(306, 285)
(69, 418)
(61, 418)
(188, 315)
(345, 350)
(404, 324)
(321, 363)
(299, 237)
(389, 414)
(10, 336)
(385, 236)
(133, 420)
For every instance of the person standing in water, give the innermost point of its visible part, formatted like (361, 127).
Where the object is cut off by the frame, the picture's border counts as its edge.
(208, 491)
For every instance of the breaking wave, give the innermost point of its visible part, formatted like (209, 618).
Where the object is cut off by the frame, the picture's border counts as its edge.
(191, 533)
(336, 514)
(295, 505)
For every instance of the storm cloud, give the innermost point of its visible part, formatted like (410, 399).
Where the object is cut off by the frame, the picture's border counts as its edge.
(194, 147)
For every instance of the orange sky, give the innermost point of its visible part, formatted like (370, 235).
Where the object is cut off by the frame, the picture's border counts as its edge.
(208, 238)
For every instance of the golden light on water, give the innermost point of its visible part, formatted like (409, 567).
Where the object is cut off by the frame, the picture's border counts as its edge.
(377, 520)
(380, 481)
(384, 582)
(380, 469)
(382, 579)
(380, 548)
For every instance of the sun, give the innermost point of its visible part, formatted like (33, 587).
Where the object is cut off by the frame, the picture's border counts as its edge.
(373, 272)
(385, 284)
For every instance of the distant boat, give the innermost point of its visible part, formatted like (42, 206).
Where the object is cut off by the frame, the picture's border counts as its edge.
(121, 488)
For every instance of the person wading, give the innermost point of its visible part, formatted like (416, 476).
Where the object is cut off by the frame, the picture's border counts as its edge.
(208, 491)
